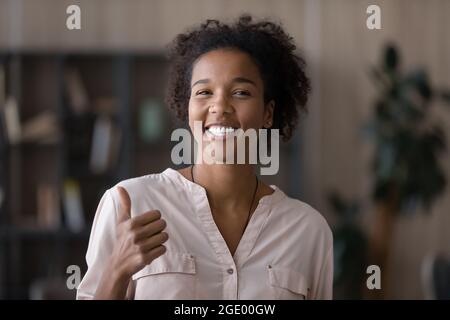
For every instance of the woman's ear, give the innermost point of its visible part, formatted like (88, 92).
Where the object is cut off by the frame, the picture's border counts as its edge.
(268, 114)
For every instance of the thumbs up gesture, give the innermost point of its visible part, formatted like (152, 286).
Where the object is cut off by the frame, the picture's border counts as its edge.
(139, 239)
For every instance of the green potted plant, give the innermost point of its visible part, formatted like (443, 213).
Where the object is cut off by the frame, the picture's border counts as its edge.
(405, 168)
(350, 249)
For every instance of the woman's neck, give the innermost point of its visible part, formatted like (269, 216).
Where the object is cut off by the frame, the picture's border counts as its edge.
(226, 185)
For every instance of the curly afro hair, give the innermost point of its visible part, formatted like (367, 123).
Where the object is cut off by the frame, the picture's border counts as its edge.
(268, 45)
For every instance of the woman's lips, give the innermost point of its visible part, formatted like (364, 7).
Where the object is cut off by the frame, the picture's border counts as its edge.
(219, 132)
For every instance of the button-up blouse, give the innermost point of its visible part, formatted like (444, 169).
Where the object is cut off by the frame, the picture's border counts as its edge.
(286, 251)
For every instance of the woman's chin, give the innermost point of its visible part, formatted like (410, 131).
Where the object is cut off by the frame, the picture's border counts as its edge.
(215, 151)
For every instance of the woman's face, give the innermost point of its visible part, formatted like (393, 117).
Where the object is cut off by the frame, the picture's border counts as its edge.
(227, 93)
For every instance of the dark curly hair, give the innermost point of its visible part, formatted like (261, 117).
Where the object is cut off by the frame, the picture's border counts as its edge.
(268, 45)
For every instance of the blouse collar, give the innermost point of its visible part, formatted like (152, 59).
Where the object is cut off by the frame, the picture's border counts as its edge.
(187, 184)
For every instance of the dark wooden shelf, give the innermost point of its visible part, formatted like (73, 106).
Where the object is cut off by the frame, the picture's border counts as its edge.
(32, 146)
(42, 233)
(37, 80)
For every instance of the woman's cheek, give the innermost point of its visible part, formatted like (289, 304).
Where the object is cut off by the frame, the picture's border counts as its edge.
(250, 120)
(195, 113)
(192, 112)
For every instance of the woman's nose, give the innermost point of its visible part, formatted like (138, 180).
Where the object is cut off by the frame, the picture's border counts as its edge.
(221, 106)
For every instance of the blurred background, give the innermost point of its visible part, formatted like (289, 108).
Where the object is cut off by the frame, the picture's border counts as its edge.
(83, 109)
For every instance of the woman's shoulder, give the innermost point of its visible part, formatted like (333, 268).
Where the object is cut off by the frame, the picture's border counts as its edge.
(152, 185)
(304, 216)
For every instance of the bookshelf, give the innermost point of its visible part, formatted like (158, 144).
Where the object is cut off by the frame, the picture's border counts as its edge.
(86, 120)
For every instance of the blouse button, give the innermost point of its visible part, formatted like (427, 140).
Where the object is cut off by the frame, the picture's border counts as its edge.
(230, 271)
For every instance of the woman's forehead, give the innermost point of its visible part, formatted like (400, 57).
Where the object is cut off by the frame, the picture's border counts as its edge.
(224, 65)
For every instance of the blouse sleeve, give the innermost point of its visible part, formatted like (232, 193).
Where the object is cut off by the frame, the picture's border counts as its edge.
(324, 289)
(101, 243)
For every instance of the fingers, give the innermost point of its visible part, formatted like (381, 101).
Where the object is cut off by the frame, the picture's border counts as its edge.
(125, 205)
(149, 230)
(153, 254)
(153, 242)
(145, 218)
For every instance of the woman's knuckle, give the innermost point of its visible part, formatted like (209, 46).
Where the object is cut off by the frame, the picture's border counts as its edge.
(135, 238)
(128, 226)
(142, 259)
(141, 249)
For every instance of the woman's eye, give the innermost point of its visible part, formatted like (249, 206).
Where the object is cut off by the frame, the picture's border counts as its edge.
(202, 92)
(241, 93)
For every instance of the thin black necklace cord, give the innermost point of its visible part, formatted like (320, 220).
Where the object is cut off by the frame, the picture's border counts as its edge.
(253, 198)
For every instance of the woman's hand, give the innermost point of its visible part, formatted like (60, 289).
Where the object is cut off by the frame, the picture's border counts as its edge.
(139, 241)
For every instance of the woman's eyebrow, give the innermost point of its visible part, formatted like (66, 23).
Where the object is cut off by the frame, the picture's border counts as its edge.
(200, 81)
(244, 80)
(238, 80)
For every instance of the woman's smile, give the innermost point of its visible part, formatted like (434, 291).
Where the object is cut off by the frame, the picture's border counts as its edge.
(218, 132)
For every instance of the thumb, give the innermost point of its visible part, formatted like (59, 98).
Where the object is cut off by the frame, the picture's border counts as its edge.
(125, 205)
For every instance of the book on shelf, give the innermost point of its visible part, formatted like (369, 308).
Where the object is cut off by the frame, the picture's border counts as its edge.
(76, 91)
(151, 120)
(105, 144)
(3, 134)
(49, 215)
(43, 128)
(73, 207)
(11, 119)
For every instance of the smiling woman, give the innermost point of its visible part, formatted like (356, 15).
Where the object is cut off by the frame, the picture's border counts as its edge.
(227, 93)
(276, 71)
(216, 231)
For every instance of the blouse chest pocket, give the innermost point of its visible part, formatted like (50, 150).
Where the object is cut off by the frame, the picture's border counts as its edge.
(170, 276)
(287, 284)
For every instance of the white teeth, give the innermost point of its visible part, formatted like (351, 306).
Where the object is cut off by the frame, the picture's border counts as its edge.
(220, 131)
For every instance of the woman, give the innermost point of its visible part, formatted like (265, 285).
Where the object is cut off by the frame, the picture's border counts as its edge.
(216, 231)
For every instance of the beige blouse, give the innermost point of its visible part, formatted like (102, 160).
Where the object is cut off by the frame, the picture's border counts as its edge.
(286, 251)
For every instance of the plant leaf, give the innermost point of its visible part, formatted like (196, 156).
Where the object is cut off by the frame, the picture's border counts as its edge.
(391, 58)
(419, 79)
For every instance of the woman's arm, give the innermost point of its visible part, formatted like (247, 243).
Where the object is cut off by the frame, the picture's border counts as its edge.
(113, 285)
(324, 289)
(112, 261)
